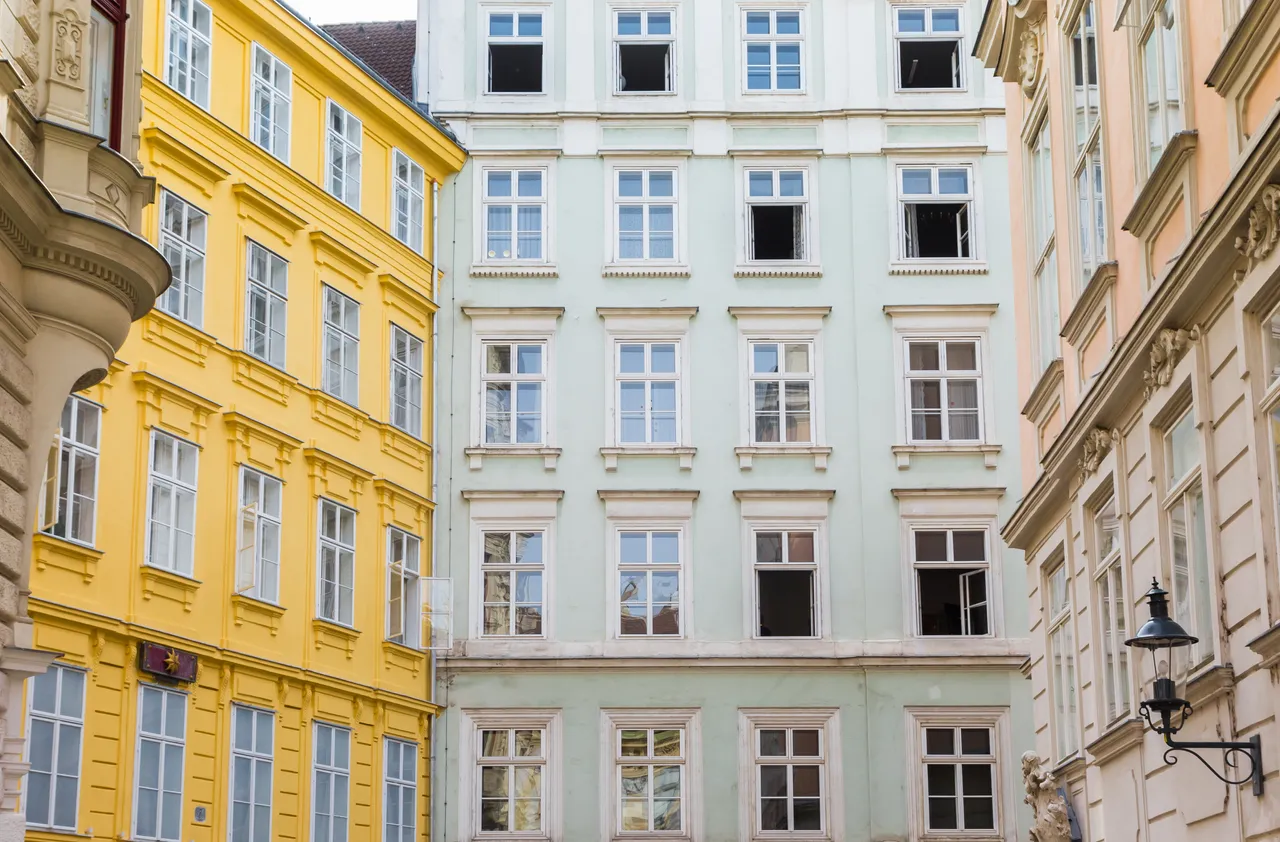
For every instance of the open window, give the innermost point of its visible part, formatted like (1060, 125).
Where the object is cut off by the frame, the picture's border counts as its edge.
(937, 210)
(930, 48)
(106, 69)
(786, 570)
(644, 44)
(777, 215)
(515, 52)
(951, 581)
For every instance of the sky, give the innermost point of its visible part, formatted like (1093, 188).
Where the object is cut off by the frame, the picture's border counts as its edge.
(348, 11)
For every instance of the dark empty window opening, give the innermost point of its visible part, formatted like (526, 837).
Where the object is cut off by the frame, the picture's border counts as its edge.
(785, 598)
(515, 68)
(928, 64)
(953, 601)
(644, 68)
(777, 232)
(937, 229)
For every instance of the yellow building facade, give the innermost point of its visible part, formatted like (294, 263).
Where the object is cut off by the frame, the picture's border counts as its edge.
(235, 540)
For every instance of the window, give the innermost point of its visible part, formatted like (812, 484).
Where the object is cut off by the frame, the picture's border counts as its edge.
(944, 388)
(1185, 514)
(106, 69)
(786, 574)
(645, 214)
(258, 547)
(1090, 183)
(162, 728)
(790, 768)
(72, 484)
(331, 782)
(272, 89)
(773, 42)
(1044, 251)
(513, 763)
(346, 137)
(781, 392)
(1062, 665)
(930, 48)
(55, 730)
(341, 346)
(190, 39)
(404, 602)
(648, 393)
(1158, 38)
(1110, 583)
(337, 563)
(252, 764)
(650, 764)
(952, 584)
(777, 215)
(171, 504)
(406, 382)
(515, 52)
(643, 45)
(937, 205)
(512, 570)
(649, 583)
(513, 384)
(182, 239)
(408, 201)
(959, 779)
(400, 804)
(518, 196)
(265, 310)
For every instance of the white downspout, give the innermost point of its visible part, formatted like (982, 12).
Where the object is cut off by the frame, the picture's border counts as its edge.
(435, 390)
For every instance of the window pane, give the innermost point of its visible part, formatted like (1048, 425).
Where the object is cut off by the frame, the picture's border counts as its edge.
(530, 25)
(946, 20)
(923, 356)
(629, 23)
(975, 741)
(760, 183)
(499, 184)
(757, 23)
(911, 20)
(953, 181)
(788, 23)
(501, 25)
(939, 741)
(1182, 448)
(917, 182)
(631, 183)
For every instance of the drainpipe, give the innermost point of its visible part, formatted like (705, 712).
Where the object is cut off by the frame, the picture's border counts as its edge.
(435, 409)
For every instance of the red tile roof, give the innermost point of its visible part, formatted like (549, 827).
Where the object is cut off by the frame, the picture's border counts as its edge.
(387, 47)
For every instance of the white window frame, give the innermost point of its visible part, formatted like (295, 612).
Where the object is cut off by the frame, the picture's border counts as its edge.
(1093, 231)
(660, 325)
(897, 36)
(1112, 615)
(1064, 675)
(276, 303)
(689, 722)
(994, 718)
(765, 512)
(268, 100)
(527, 326)
(650, 512)
(348, 342)
(827, 722)
(256, 757)
(1147, 27)
(545, 39)
(403, 787)
(513, 569)
(184, 299)
(648, 568)
(902, 261)
(334, 771)
(513, 380)
(1194, 609)
(404, 369)
(646, 203)
(408, 227)
(511, 512)
(672, 41)
(349, 194)
(816, 596)
(178, 489)
(251, 564)
(808, 202)
(67, 442)
(338, 547)
(773, 39)
(59, 722)
(408, 573)
(549, 722)
(985, 567)
(1043, 251)
(514, 202)
(164, 741)
(648, 379)
(197, 88)
(944, 376)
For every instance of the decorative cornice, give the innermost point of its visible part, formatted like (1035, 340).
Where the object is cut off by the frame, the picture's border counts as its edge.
(808, 271)
(513, 311)
(1263, 230)
(1166, 173)
(1267, 647)
(1097, 444)
(190, 162)
(255, 204)
(896, 310)
(959, 491)
(939, 268)
(779, 311)
(337, 255)
(483, 271)
(1166, 350)
(1121, 737)
(610, 312)
(1091, 302)
(647, 494)
(618, 270)
(784, 494)
(1243, 45)
(1047, 387)
(495, 494)
(1210, 685)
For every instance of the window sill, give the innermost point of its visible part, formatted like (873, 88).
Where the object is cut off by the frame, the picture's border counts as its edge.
(475, 455)
(1091, 304)
(329, 633)
(262, 377)
(819, 453)
(169, 585)
(611, 454)
(337, 414)
(1121, 736)
(789, 269)
(513, 270)
(397, 655)
(1211, 683)
(248, 609)
(645, 270)
(904, 452)
(183, 339)
(50, 551)
(1165, 175)
(35, 832)
(1267, 647)
(926, 267)
(403, 446)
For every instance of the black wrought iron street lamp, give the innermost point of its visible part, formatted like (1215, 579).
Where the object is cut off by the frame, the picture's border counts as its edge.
(1162, 634)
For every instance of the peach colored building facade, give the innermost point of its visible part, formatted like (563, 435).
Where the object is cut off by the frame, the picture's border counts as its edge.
(1147, 214)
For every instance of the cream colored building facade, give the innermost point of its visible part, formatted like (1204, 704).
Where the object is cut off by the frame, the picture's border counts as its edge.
(73, 275)
(1149, 280)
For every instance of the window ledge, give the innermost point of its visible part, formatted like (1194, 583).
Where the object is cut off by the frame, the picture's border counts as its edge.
(819, 453)
(328, 633)
(611, 455)
(1091, 302)
(904, 452)
(403, 446)
(475, 455)
(1267, 646)
(1210, 684)
(262, 377)
(398, 655)
(51, 551)
(248, 609)
(645, 270)
(337, 414)
(1117, 739)
(171, 333)
(778, 270)
(1046, 388)
(169, 585)
(1164, 176)
(515, 270)
(924, 267)
(1232, 64)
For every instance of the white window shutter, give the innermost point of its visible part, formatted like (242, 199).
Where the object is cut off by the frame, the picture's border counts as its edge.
(247, 550)
(437, 613)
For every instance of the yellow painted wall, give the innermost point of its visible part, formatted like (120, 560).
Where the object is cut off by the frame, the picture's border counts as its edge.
(95, 604)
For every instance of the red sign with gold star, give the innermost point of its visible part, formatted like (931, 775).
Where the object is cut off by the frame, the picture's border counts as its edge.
(167, 662)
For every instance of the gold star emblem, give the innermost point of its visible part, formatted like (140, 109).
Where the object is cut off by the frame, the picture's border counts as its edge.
(172, 662)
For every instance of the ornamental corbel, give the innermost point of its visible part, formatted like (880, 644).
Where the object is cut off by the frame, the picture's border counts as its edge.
(1263, 230)
(1048, 808)
(1166, 350)
(1031, 56)
(1097, 444)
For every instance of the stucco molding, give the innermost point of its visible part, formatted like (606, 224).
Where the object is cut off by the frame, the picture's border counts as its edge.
(1048, 808)
(1048, 387)
(253, 204)
(68, 47)
(622, 270)
(1097, 444)
(1263, 226)
(332, 253)
(1244, 50)
(1167, 349)
(168, 153)
(335, 477)
(1121, 737)
(1091, 303)
(1267, 647)
(1031, 56)
(1168, 173)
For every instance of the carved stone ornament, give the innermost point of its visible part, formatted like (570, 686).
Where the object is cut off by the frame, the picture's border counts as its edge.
(1165, 352)
(1097, 444)
(1030, 57)
(1048, 809)
(68, 41)
(1259, 240)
